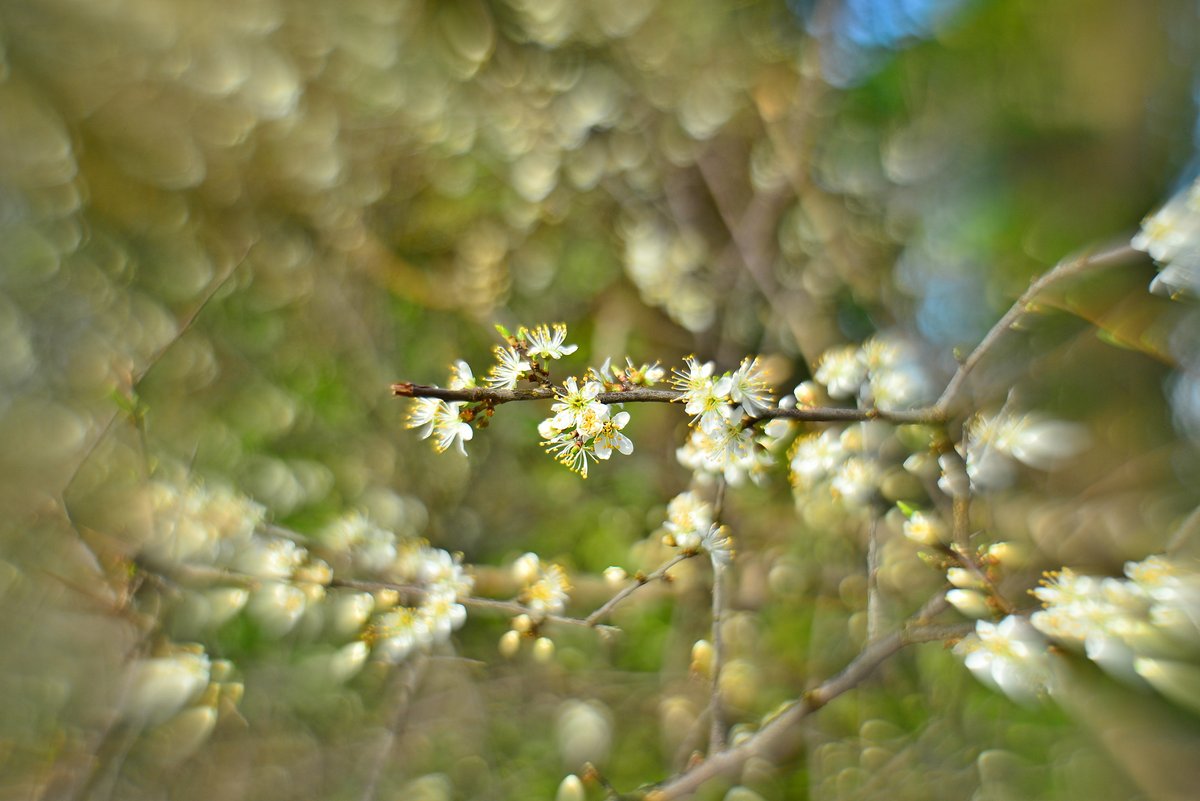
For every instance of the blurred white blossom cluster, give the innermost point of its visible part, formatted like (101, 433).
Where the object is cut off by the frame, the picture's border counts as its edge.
(884, 372)
(1171, 235)
(1009, 656)
(544, 592)
(1143, 629)
(179, 693)
(431, 580)
(227, 562)
(996, 443)
(720, 443)
(846, 462)
(690, 527)
(849, 462)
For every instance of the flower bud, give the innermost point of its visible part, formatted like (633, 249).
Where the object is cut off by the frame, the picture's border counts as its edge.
(971, 603)
(702, 658)
(543, 649)
(615, 576)
(525, 569)
(965, 579)
(571, 789)
(510, 643)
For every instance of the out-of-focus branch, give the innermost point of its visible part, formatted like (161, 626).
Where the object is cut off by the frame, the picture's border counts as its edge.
(199, 574)
(716, 736)
(874, 603)
(771, 741)
(640, 581)
(1064, 269)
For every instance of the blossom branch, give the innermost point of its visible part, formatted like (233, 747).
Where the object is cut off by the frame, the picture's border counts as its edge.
(495, 397)
(473, 602)
(198, 574)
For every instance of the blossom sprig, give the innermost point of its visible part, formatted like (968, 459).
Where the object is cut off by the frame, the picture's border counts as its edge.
(519, 360)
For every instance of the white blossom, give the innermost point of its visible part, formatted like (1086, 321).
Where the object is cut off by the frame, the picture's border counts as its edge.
(842, 371)
(1009, 656)
(510, 367)
(610, 437)
(748, 387)
(548, 341)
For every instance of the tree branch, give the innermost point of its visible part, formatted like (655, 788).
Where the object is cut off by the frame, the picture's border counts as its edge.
(1064, 269)
(770, 741)
(599, 614)
(407, 389)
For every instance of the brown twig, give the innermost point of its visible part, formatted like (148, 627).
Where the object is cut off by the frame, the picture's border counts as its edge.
(640, 581)
(829, 414)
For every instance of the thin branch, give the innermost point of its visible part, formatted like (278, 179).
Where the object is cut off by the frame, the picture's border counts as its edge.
(641, 581)
(769, 741)
(185, 574)
(716, 713)
(873, 601)
(404, 685)
(495, 397)
(1065, 269)
(716, 732)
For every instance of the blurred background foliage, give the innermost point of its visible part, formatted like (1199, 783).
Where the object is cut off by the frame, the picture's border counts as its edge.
(226, 227)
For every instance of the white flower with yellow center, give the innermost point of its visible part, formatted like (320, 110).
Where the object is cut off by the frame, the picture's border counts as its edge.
(547, 595)
(842, 371)
(749, 387)
(450, 428)
(461, 376)
(704, 397)
(1010, 656)
(574, 401)
(510, 367)
(548, 341)
(719, 545)
(688, 517)
(610, 437)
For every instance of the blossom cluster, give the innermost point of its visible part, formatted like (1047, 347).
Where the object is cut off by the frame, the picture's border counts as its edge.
(433, 576)
(690, 527)
(884, 372)
(1143, 629)
(1171, 235)
(179, 691)
(844, 461)
(282, 587)
(995, 443)
(443, 420)
(544, 591)
(720, 443)
(582, 428)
